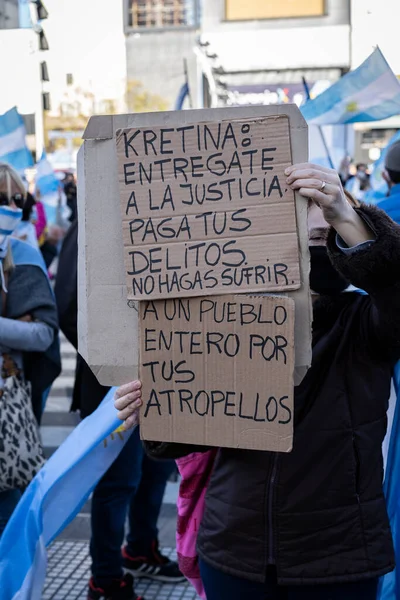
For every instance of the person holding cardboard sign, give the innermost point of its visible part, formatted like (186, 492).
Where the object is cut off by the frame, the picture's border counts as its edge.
(312, 524)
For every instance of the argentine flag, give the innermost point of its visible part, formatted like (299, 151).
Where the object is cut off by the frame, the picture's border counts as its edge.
(53, 499)
(10, 221)
(49, 188)
(389, 585)
(183, 94)
(369, 93)
(13, 148)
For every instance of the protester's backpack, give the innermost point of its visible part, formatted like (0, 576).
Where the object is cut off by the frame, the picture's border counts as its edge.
(195, 471)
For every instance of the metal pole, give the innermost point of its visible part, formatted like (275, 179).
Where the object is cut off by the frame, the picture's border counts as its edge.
(307, 90)
(185, 69)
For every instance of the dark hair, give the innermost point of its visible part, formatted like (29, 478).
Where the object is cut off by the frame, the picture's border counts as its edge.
(28, 206)
(361, 165)
(394, 175)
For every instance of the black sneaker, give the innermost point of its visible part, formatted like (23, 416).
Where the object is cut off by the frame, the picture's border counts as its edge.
(120, 589)
(156, 566)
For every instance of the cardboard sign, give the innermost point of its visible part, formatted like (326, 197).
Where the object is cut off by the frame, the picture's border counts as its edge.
(218, 371)
(206, 209)
(107, 323)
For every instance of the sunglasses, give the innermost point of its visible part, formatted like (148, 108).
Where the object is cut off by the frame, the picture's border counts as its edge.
(18, 199)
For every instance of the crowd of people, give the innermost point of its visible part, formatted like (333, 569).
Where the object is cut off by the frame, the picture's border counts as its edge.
(32, 314)
(311, 524)
(355, 178)
(29, 343)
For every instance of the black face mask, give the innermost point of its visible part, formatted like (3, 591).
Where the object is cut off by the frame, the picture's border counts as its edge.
(324, 279)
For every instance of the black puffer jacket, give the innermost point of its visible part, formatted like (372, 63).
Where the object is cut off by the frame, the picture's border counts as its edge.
(319, 513)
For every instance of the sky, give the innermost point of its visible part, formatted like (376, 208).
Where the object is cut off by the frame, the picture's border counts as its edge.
(86, 39)
(374, 26)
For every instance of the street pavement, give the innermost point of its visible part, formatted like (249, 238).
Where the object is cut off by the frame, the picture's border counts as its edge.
(68, 570)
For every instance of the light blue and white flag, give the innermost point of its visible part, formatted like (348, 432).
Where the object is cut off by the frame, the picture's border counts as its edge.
(46, 180)
(53, 499)
(13, 148)
(25, 19)
(49, 187)
(369, 93)
(183, 94)
(389, 585)
(10, 218)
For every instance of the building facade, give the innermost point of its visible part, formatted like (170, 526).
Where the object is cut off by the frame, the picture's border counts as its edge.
(244, 52)
(252, 52)
(9, 14)
(23, 68)
(160, 37)
(263, 49)
(266, 52)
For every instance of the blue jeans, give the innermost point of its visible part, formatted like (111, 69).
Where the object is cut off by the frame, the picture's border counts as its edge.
(220, 586)
(133, 482)
(8, 502)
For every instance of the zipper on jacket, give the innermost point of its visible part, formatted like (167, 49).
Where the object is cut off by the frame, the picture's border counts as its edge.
(270, 509)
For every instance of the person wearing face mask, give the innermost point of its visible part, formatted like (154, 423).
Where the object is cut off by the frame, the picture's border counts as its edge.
(29, 345)
(359, 184)
(313, 524)
(391, 174)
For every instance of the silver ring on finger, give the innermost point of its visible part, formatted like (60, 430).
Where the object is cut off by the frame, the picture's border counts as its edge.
(323, 184)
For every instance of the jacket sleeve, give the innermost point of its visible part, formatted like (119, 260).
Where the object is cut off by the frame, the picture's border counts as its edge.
(167, 450)
(25, 337)
(375, 268)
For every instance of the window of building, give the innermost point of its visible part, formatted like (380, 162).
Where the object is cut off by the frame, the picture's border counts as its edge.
(238, 10)
(162, 13)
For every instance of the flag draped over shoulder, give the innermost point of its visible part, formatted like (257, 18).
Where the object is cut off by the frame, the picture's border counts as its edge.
(369, 93)
(53, 499)
(13, 148)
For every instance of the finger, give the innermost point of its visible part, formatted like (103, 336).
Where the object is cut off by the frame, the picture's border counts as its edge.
(129, 410)
(123, 390)
(308, 166)
(328, 189)
(312, 174)
(312, 183)
(123, 402)
(131, 421)
(316, 196)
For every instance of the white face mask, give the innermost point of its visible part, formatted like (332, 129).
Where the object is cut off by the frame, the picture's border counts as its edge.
(10, 218)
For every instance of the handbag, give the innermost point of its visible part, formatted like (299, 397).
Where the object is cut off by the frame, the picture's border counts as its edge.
(21, 451)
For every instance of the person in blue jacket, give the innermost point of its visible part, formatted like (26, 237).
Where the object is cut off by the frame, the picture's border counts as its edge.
(29, 344)
(391, 174)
